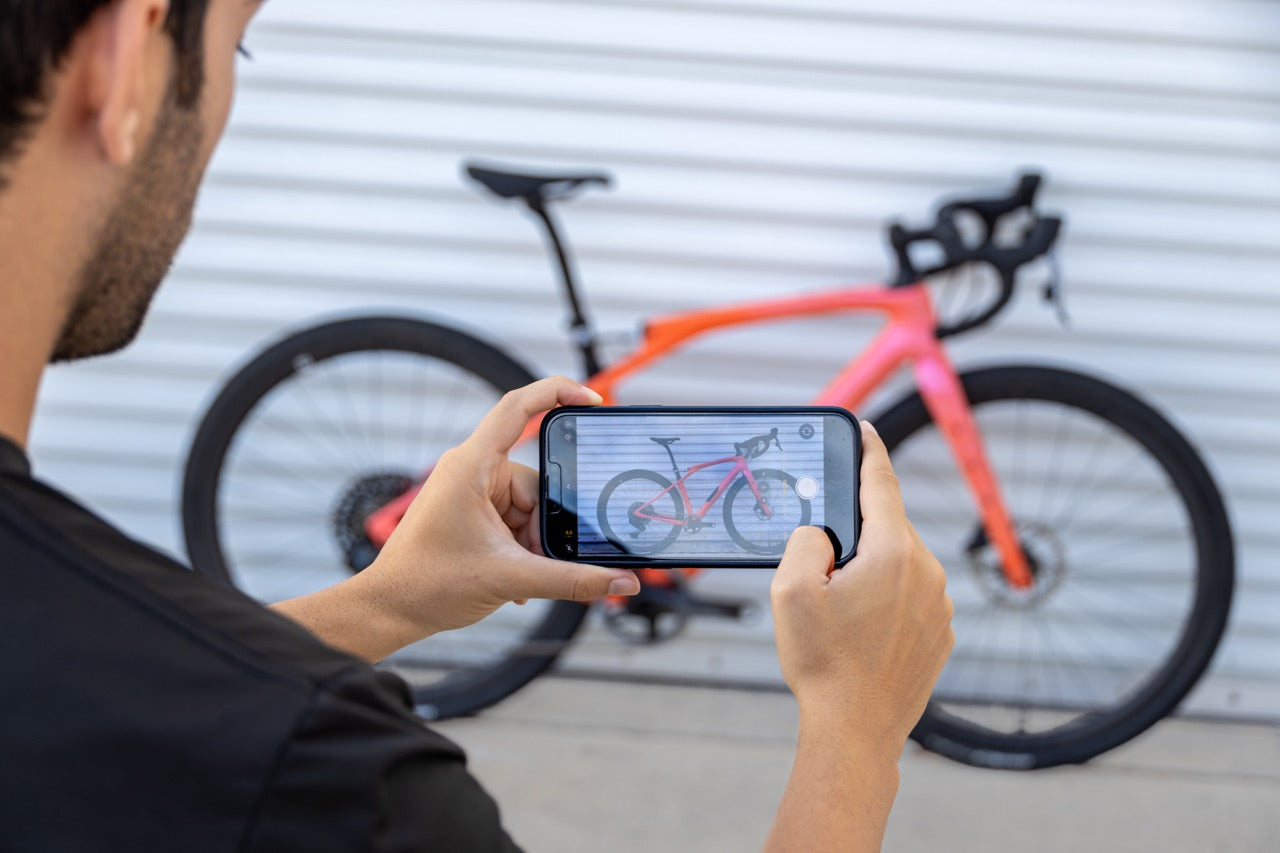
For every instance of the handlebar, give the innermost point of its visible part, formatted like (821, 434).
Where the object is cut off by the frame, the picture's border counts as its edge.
(1037, 239)
(757, 445)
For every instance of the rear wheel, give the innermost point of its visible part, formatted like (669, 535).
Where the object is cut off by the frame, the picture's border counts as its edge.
(640, 513)
(322, 429)
(1130, 550)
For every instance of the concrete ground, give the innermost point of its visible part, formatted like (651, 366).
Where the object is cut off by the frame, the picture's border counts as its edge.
(584, 765)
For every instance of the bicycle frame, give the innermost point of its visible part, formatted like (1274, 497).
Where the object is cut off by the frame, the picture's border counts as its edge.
(908, 337)
(740, 467)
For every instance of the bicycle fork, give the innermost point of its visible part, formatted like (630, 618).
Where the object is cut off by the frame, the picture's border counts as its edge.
(946, 401)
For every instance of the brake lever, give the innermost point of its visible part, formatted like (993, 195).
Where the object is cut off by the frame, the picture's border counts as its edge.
(1053, 290)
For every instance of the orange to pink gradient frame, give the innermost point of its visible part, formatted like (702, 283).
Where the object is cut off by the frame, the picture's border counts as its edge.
(907, 338)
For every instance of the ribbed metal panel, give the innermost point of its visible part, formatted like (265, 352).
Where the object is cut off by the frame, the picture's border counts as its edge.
(759, 146)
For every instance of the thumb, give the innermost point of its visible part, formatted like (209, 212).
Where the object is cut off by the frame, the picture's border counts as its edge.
(541, 577)
(809, 556)
(806, 565)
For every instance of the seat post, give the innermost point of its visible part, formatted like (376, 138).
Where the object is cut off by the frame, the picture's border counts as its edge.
(583, 335)
(674, 466)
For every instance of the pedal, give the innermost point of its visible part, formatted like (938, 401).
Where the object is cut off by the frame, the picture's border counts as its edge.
(660, 613)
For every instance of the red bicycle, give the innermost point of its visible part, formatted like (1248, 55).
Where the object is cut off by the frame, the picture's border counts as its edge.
(1088, 550)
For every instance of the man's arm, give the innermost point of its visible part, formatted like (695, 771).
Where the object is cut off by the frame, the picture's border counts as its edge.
(861, 648)
(358, 772)
(469, 544)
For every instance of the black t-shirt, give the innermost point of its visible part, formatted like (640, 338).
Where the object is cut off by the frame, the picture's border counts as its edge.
(142, 708)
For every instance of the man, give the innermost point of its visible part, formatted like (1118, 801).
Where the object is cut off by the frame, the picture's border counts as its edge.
(147, 710)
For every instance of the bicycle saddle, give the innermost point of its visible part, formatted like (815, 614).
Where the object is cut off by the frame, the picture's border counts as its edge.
(665, 442)
(532, 188)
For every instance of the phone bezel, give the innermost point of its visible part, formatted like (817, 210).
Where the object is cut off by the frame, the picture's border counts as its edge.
(552, 516)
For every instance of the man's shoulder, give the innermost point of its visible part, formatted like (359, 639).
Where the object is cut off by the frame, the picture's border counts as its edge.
(128, 594)
(161, 702)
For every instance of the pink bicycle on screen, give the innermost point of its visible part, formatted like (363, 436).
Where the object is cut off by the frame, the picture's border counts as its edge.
(761, 506)
(1087, 547)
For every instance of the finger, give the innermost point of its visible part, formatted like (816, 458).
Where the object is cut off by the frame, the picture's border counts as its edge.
(879, 496)
(525, 488)
(809, 557)
(507, 420)
(545, 578)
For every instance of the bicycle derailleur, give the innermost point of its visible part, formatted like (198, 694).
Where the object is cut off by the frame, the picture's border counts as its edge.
(359, 499)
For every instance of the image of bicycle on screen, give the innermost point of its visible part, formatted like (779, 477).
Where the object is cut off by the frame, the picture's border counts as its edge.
(642, 481)
(761, 508)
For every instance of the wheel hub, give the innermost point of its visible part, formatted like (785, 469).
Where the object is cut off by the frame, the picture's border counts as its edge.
(1046, 559)
(362, 497)
(638, 524)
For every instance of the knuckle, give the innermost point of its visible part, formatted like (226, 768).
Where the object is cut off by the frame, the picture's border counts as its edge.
(938, 575)
(901, 550)
(581, 588)
(887, 479)
(783, 589)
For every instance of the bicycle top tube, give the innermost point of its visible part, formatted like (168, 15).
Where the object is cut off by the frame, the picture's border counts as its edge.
(908, 335)
(740, 467)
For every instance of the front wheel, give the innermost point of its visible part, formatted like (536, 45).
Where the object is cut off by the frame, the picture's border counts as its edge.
(762, 525)
(1131, 557)
(322, 429)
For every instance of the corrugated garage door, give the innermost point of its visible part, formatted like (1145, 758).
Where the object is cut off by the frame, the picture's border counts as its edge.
(759, 146)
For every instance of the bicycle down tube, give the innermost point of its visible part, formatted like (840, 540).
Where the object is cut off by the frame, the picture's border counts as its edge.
(740, 467)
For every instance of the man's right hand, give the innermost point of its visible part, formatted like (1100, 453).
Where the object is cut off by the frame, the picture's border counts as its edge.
(860, 647)
(869, 639)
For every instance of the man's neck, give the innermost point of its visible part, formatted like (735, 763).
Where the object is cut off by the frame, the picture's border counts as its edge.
(24, 348)
(42, 226)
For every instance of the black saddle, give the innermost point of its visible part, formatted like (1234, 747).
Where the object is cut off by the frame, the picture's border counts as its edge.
(533, 188)
(665, 442)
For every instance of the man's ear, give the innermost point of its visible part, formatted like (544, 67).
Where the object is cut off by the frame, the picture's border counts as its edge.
(122, 72)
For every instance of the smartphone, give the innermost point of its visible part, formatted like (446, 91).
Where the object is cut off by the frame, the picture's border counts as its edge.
(696, 487)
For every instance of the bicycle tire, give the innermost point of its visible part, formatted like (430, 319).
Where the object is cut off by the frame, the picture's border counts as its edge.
(645, 480)
(331, 390)
(787, 522)
(1181, 511)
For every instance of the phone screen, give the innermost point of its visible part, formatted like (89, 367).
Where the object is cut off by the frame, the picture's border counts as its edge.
(642, 485)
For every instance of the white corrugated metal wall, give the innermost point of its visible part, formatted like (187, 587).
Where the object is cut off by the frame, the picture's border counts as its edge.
(759, 146)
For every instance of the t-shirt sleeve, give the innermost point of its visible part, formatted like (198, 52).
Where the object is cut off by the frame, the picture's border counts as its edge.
(361, 773)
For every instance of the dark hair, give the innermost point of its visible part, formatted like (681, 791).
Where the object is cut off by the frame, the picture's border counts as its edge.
(35, 36)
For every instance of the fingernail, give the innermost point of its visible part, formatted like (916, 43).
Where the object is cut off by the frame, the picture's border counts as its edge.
(624, 586)
(870, 427)
(594, 393)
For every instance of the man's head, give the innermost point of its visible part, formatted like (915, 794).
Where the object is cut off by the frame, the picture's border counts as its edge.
(37, 35)
(132, 95)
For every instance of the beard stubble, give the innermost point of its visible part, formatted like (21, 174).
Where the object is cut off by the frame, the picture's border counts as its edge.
(136, 245)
